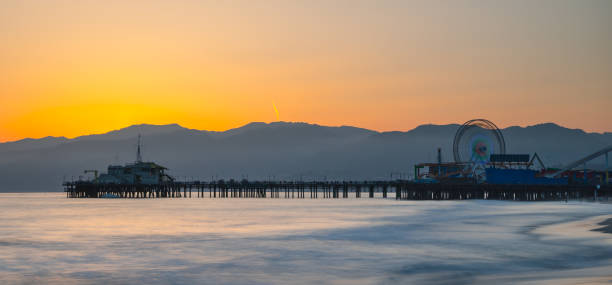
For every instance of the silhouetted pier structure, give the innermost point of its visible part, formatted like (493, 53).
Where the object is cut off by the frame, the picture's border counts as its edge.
(401, 190)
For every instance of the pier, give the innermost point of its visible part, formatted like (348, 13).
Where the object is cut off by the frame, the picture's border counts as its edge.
(479, 171)
(400, 190)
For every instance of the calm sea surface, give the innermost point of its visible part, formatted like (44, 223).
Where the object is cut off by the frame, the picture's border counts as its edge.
(48, 239)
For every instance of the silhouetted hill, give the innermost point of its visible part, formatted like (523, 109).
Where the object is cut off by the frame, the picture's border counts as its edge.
(279, 150)
(29, 144)
(133, 131)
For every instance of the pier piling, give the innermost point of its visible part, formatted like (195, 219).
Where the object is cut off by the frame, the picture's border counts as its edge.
(332, 190)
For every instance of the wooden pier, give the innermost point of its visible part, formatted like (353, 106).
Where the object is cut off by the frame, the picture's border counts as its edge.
(400, 190)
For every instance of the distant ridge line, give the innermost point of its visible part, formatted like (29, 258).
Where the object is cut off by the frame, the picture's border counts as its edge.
(176, 127)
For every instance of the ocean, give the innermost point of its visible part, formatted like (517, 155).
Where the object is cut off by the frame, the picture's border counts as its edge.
(46, 238)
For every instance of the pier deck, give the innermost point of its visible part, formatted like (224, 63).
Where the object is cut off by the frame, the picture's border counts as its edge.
(401, 190)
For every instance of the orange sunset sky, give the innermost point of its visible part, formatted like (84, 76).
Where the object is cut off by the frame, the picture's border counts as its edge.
(69, 68)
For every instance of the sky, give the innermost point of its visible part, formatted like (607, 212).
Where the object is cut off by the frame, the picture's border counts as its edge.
(70, 68)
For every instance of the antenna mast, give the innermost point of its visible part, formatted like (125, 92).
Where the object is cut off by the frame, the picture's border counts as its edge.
(138, 155)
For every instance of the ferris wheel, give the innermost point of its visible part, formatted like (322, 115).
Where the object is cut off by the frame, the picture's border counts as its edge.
(474, 143)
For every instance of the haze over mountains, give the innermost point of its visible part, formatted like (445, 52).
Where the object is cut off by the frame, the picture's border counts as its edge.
(277, 150)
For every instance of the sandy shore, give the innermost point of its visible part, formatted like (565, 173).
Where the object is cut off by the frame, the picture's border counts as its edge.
(606, 226)
(593, 228)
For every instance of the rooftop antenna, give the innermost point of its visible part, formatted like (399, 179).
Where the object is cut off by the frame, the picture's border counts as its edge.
(138, 155)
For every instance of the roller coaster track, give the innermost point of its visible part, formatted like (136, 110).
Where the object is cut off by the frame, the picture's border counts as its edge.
(583, 161)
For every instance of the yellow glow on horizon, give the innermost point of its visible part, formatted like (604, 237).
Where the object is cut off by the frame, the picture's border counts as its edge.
(82, 67)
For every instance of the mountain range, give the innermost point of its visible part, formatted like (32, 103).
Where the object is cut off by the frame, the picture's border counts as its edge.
(278, 150)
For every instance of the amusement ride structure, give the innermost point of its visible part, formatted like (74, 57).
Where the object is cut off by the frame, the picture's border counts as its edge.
(474, 143)
(479, 153)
